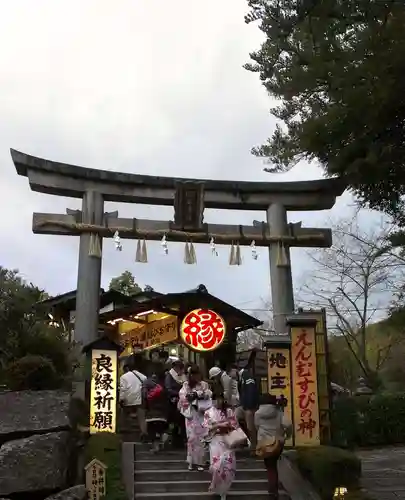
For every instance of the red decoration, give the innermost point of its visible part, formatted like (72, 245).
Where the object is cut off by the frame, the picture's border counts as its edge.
(203, 330)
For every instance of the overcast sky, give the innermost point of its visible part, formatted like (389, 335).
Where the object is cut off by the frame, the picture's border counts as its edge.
(152, 87)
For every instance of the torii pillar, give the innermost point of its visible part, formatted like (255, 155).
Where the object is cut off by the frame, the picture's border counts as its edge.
(282, 293)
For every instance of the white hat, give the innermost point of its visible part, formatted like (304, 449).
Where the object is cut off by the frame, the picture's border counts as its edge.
(214, 372)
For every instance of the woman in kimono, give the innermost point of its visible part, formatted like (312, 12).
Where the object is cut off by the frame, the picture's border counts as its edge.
(194, 400)
(219, 420)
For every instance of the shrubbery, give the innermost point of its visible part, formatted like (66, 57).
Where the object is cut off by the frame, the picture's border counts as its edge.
(328, 468)
(369, 421)
(31, 372)
(33, 354)
(106, 447)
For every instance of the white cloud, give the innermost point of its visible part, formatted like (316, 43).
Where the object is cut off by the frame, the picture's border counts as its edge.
(138, 86)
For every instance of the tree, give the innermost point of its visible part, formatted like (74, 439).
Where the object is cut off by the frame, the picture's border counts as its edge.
(356, 281)
(24, 327)
(343, 367)
(125, 283)
(337, 70)
(254, 337)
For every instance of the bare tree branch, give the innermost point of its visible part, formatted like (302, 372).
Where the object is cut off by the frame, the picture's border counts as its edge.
(356, 281)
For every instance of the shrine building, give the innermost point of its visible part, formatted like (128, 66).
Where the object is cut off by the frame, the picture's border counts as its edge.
(192, 325)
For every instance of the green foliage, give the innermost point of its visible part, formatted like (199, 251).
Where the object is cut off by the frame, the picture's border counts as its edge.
(369, 421)
(344, 368)
(106, 447)
(125, 283)
(31, 372)
(327, 468)
(24, 329)
(337, 69)
(385, 349)
(357, 495)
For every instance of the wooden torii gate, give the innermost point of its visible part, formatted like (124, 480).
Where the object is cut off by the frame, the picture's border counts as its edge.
(189, 197)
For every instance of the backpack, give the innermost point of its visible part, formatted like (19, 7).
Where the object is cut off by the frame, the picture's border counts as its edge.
(154, 392)
(271, 446)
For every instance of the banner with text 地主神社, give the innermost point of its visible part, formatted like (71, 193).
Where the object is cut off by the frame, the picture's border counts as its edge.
(305, 386)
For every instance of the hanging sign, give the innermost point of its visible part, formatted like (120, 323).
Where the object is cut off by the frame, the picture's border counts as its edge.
(203, 330)
(279, 378)
(103, 392)
(305, 386)
(95, 479)
(151, 335)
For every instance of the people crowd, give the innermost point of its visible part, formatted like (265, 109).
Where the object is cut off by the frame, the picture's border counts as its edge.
(211, 418)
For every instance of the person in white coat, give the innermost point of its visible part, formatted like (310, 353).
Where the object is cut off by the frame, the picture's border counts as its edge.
(273, 428)
(130, 394)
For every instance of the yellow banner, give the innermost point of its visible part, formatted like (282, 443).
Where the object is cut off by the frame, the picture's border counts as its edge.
(322, 372)
(305, 386)
(103, 391)
(151, 335)
(279, 378)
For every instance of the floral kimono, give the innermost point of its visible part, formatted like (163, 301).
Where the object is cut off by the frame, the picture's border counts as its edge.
(194, 418)
(222, 459)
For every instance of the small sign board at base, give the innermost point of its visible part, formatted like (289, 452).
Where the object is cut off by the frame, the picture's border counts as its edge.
(96, 479)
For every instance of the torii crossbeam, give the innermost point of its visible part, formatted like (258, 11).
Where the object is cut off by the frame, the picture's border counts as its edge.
(189, 197)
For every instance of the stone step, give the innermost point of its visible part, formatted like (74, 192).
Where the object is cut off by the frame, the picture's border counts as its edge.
(159, 463)
(196, 485)
(146, 453)
(182, 474)
(232, 495)
(146, 447)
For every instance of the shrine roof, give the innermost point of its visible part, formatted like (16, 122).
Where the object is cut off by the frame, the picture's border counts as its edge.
(182, 302)
(63, 179)
(67, 300)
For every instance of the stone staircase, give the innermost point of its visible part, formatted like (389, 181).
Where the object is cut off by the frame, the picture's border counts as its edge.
(165, 475)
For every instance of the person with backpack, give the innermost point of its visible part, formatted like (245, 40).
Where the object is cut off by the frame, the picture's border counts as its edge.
(156, 407)
(130, 398)
(249, 402)
(273, 427)
(225, 382)
(156, 364)
(174, 380)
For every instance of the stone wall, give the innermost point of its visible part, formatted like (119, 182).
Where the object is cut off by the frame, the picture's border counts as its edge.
(35, 446)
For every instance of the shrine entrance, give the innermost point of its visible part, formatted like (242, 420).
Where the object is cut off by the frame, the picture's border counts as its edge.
(169, 322)
(189, 198)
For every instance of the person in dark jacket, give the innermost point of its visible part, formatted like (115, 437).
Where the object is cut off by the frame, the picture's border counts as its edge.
(249, 400)
(157, 366)
(173, 383)
(156, 408)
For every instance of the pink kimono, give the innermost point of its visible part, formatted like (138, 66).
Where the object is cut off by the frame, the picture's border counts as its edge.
(222, 459)
(195, 429)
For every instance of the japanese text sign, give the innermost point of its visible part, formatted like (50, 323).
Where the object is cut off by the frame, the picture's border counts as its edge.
(103, 393)
(151, 335)
(305, 386)
(279, 377)
(203, 330)
(95, 480)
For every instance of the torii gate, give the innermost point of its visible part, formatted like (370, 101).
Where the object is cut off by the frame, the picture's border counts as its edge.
(189, 197)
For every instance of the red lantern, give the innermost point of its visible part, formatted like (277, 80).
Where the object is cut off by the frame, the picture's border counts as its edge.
(203, 330)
